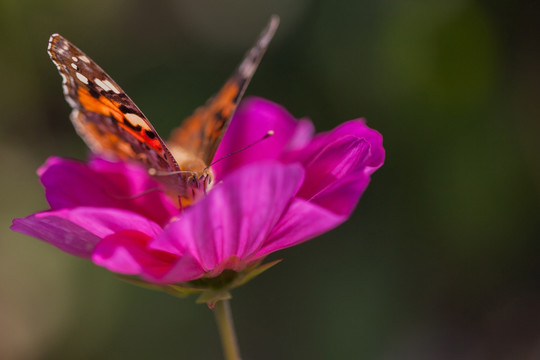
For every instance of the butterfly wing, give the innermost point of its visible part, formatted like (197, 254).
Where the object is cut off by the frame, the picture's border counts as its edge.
(200, 134)
(103, 115)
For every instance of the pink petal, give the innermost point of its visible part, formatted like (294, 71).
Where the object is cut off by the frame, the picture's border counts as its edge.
(338, 165)
(233, 220)
(186, 268)
(253, 119)
(337, 160)
(302, 221)
(70, 183)
(126, 252)
(58, 231)
(342, 196)
(77, 231)
(357, 129)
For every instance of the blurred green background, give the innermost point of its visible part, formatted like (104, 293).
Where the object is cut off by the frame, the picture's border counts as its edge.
(439, 261)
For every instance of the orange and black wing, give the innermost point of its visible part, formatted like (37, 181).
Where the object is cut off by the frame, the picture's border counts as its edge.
(200, 134)
(103, 115)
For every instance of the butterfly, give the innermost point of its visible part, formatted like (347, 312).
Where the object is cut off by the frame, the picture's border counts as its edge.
(113, 126)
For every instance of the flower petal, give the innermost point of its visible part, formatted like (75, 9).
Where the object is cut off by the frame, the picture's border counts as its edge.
(342, 196)
(53, 228)
(354, 128)
(126, 252)
(77, 231)
(70, 183)
(253, 119)
(233, 220)
(338, 165)
(302, 221)
(337, 160)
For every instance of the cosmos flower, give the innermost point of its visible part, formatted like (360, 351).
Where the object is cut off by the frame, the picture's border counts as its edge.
(281, 192)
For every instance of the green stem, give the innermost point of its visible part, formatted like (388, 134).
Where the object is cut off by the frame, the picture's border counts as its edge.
(226, 330)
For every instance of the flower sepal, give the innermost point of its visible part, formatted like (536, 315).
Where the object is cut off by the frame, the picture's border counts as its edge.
(210, 289)
(179, 290)
(236, 279)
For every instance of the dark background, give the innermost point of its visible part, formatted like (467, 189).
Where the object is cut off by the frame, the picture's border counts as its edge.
(440, 259)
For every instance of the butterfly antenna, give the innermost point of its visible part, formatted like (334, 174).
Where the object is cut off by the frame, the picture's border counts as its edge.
(266, 136)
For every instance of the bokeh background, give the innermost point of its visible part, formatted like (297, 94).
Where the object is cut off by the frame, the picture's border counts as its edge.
(439, 261)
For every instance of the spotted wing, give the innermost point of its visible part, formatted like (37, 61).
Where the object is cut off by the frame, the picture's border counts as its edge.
(200, 134)
(103, 115)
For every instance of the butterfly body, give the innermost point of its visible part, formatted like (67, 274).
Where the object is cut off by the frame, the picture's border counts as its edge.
(198, 179)
(113, 126)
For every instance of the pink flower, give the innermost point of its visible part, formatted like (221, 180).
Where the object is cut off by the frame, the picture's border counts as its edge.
(279, 193)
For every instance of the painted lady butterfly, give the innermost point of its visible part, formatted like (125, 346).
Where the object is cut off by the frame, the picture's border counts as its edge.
(111, 124)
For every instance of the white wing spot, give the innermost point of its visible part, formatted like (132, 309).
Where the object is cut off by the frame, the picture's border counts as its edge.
(248, 67)
(64, 78)
(74, 58)
(75, 67)
(102, 85)
(72, 102)
(82, 78)
(111, 86)
(85, 59)
(136, 120)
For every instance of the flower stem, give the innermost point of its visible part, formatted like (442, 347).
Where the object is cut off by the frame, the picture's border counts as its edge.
(225, 323)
